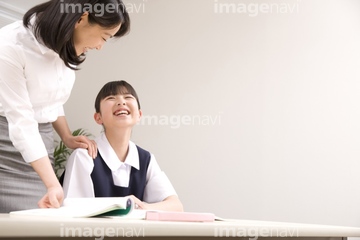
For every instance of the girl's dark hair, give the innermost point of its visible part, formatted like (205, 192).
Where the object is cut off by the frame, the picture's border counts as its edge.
(114, 88)
(56, 19)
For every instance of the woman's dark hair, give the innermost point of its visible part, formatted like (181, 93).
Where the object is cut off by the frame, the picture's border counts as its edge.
(56, 19)
(114, 88)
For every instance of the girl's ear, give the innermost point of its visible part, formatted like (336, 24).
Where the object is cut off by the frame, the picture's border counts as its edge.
(140, 115)
(97, 118)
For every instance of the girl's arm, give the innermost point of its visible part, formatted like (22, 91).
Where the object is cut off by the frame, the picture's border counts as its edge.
(171, 203)
(77, 180)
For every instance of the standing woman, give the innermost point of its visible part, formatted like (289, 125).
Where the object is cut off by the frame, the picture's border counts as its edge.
(38, 59)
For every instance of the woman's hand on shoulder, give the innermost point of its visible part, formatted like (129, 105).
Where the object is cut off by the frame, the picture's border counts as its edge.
(74, 142)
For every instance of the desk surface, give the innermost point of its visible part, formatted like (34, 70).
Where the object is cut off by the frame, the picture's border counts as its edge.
(24, 226)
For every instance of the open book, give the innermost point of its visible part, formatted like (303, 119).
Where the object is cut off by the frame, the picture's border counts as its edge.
(113, 207)
(84, 207)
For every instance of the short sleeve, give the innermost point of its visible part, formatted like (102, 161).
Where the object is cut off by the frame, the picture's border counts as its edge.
(77, 179)
(158, 186)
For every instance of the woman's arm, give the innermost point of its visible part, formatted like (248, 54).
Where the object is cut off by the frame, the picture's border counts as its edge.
(23, 128)
(62, 128)
(54, 196)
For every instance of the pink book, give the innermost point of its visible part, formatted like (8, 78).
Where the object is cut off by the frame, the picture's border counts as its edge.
(179, 216)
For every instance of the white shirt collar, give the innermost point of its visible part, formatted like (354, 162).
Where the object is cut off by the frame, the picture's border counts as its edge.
(110, 157)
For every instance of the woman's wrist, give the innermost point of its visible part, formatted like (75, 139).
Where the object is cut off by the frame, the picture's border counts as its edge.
(45, 171)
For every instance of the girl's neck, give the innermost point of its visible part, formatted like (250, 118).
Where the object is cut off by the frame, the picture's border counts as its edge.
(119, 141)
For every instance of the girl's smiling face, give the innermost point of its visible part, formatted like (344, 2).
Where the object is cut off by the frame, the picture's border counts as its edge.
(120, 110)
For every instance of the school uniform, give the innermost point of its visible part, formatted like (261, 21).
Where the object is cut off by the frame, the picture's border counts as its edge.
(34, 85)
(106, 176)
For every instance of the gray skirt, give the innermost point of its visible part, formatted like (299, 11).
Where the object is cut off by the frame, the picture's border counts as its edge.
(20, 186)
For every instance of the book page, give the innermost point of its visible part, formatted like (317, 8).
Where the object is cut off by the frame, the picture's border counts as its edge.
(98, 202)
(135, 214)
(84, 207)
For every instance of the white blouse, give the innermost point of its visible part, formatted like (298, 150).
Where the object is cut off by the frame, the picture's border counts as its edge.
(34, 85)
(78, 183)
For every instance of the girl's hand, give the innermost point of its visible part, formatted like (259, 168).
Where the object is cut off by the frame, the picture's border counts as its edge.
(138, 204)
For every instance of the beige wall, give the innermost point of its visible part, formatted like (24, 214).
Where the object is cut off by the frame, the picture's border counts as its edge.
(277, 95)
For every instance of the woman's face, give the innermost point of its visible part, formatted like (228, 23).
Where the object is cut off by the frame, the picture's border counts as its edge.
(87, 36)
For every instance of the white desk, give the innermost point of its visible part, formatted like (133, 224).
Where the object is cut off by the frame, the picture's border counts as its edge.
(21, 227)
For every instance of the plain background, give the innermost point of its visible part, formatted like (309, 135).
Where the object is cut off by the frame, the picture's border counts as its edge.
(273, 96)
